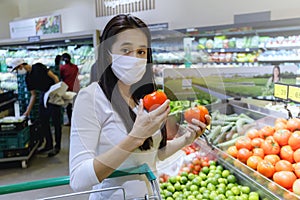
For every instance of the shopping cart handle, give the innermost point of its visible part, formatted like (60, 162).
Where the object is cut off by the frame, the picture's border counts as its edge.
(65, 180)
(32, 185)
(142, 169)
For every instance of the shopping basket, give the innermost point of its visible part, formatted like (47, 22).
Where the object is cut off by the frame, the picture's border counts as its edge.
(52, 182)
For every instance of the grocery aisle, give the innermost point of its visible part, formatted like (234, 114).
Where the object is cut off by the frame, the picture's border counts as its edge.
(39, 167)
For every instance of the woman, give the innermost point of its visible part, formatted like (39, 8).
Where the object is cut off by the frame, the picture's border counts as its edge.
(268, 90)
(110, 128)
(275, 77)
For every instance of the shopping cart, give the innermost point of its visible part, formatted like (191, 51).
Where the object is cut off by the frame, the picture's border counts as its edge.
(140, 170)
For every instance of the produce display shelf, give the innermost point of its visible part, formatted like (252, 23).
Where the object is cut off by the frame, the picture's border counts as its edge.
(241, 172)
(266, 187)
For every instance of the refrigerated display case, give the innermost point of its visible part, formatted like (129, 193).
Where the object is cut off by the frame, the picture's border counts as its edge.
(196, 158)
(245, 44)
(79, 45)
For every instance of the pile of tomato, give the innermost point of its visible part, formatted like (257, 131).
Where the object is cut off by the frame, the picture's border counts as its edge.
(274, 151)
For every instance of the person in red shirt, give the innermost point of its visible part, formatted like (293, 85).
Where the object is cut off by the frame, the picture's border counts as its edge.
(69, 75)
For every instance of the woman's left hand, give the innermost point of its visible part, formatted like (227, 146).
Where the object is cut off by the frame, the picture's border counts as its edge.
(196, 129)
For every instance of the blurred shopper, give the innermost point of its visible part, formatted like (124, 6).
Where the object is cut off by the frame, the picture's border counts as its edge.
(69, 75)
(58, 62)
(40, 78)
(275, 78)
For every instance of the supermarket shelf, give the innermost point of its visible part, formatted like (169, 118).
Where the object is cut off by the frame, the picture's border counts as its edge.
(232, 50)
(6, 104)
(52, 39)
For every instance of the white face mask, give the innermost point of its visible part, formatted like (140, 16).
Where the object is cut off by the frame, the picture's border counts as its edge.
(22, 71)
(128, 69)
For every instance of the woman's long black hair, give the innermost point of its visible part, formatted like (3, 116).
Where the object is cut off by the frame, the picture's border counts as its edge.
(279, 77)
(108, 80)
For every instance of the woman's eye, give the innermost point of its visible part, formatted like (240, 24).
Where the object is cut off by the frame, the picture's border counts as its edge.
(141, 52)
(125, 51)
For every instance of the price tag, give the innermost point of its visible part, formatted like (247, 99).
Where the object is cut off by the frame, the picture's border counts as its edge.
(294, 93)
(281, 91)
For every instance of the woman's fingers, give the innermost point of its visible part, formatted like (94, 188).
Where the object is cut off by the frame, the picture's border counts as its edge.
(161, 112)
(208, 119)
(162, 108)
(141, 106)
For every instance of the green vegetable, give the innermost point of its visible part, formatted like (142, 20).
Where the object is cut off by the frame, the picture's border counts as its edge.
(231, 118)
(222, 134)
(242, 121)
(214, 132)
(220, 123)
(228, 143)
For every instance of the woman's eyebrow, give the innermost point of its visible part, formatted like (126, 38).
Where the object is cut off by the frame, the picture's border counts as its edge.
(126, 43)
(129, 43)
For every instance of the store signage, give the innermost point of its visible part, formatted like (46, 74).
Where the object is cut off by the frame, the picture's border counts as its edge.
(294, 93)
(113, 7)
(281, 91)
(34, 38)
(35, 26)
(158, 27)
(115, 3)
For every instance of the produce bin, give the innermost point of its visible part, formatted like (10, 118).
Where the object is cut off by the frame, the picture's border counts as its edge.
(11, 123)
(266, 187)
(257, 183)
(18, 141)
(14, 139)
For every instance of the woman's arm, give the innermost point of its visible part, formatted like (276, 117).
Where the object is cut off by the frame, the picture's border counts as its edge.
(192, 132)
(53, 76)
(87, 168)
(31, 103)
(146, 125)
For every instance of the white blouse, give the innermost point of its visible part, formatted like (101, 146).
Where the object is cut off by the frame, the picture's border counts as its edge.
(96, 128)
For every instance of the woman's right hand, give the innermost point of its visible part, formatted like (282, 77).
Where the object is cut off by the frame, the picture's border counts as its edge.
(147, 123)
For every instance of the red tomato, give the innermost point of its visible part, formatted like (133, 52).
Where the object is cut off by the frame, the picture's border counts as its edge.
(294, 140)
(272, 159)
(266, 168)
(296, 155)
(282, 136)
(280, 125)
(243, 154)
(197, 168)
(258, 152)
(196, 161)
(283, 165)
(243, 142)
(203, 111)
(253, 161)
(287, 153)
(285, 179)
(296, 187)
(296, 168)
(293, 124)
(252, 133)
(266, 131)
(232, 150)
(256, 142)
(197, 112)
(154, 100)
(283, 120)
(204, 164)
(270, 146)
